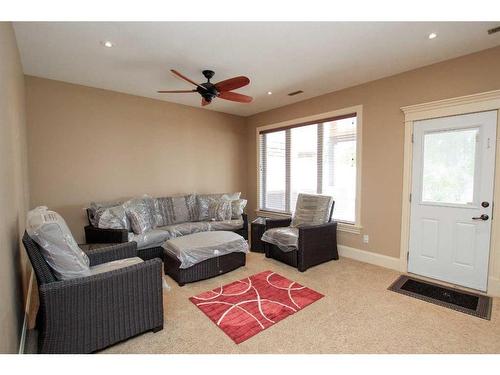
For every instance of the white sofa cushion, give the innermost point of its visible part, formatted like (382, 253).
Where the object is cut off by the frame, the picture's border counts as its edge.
(232, 224)
(286, 238)
(58, 247)
(114, 265)
(152, 238)
(184, 229)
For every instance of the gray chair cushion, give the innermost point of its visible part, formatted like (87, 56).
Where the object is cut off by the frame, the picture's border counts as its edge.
(286, 238)
(312, 209)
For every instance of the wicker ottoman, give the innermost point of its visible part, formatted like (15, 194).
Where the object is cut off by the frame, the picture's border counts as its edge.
(213, 253)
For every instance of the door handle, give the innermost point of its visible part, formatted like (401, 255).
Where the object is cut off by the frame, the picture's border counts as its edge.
(482, 217)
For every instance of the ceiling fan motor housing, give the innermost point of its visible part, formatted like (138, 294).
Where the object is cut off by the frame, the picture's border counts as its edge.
(210, 91)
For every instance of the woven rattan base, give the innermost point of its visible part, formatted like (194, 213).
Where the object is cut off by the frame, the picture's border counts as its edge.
(204, 270)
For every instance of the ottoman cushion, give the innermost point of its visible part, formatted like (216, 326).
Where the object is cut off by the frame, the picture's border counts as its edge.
(195, 248)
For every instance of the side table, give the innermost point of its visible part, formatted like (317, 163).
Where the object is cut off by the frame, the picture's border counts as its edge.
(257, 228)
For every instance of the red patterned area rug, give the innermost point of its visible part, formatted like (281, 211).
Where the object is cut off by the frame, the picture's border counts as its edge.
(248, 306)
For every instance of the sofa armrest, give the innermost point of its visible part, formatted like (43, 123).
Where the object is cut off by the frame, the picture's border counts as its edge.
(317, 244)
(98, 235)
(114, 252)
(276, 223)
(123, 302)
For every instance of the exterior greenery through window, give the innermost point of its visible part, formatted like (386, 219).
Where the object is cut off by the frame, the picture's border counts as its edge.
(310, 158)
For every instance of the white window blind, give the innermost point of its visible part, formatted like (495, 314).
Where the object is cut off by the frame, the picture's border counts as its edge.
(310, 158)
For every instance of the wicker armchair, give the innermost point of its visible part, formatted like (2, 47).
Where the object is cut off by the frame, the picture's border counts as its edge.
(87, 314)
(316, 244)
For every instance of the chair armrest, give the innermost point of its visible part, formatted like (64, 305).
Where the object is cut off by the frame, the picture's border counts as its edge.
(276, 223)
(98, 235)
(114, 252)
(317, 244)
(86, 314)
(244, 216)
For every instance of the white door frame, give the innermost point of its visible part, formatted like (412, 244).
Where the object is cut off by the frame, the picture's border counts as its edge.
(480, 102)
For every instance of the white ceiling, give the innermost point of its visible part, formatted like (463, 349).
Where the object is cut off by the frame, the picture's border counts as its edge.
(316, 57)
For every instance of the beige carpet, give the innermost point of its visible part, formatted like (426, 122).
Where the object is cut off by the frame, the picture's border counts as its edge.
(357, 315)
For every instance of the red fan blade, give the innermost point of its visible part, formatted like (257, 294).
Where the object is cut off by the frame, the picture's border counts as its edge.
(235, 97)
(185, 78)
(204, 102)
(232, 83)
(174, 91)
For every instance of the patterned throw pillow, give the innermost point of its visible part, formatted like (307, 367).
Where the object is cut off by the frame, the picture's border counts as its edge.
(237, 207)
(219, 209)
(98, 207)
(111, 218)
(203, 201)
(312, 209)
(139, 222)
(174, 210)
(145, 207)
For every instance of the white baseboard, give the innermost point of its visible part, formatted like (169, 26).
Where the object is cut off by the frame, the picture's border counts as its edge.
(369, 257)
(24, 329)
(395, 264)
(493, 287)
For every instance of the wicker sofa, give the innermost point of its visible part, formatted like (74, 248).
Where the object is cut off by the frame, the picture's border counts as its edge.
(90, 313)
(150, 243)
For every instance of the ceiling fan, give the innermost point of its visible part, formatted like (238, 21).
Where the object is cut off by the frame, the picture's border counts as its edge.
(209, 90)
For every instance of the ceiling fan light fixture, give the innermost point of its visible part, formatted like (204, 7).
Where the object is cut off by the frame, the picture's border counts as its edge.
(432, 36)
(269, 93)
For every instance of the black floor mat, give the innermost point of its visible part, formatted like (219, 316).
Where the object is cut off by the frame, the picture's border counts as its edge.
(466, 302)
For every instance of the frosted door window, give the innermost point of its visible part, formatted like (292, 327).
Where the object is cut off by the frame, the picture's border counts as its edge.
(448, 166)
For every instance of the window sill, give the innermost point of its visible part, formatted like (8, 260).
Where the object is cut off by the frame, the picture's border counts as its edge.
(343, 227)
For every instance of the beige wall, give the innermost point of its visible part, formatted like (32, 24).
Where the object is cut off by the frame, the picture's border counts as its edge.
(89, 144)
(14, 266)
(383, 131)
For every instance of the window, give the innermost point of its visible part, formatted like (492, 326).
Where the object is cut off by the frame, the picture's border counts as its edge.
(317, 157)
(449, 163)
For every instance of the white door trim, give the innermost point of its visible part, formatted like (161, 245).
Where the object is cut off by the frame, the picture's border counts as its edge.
(486, 101)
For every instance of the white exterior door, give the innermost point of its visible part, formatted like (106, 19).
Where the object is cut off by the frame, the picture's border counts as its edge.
(452, 193)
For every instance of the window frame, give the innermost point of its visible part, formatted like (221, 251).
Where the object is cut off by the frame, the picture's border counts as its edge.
(358, 109)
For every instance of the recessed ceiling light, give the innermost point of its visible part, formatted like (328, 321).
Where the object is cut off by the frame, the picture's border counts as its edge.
(432, 35)
(107, 44)
(269, 93)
